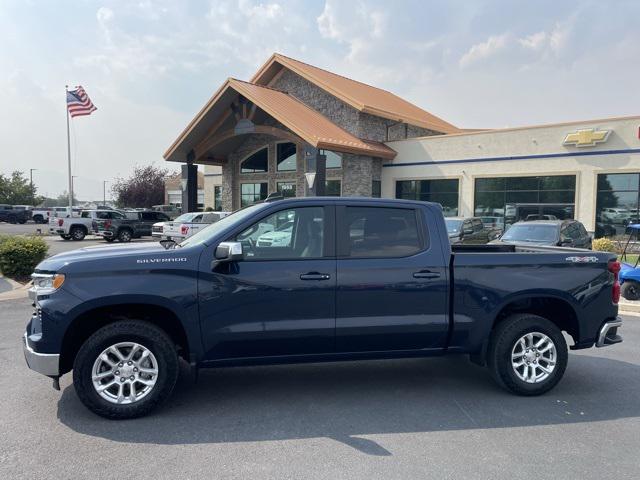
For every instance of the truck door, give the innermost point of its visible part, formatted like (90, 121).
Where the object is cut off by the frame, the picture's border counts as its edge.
(392, 288)
(280, 298)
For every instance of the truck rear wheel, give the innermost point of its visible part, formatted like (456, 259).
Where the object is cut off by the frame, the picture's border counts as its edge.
(125, 369)
(124, 235)
(77, 233)
(527, 354)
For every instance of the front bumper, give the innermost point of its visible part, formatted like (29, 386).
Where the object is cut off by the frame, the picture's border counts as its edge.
(608, 333)
(105, 233)
(45, 363)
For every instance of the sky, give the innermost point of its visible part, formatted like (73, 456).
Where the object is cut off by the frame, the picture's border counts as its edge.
(149, 66)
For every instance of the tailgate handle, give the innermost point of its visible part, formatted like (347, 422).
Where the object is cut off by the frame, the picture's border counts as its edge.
(426, 274)
(315, 276)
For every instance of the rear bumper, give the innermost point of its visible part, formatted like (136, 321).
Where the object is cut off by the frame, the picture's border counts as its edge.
(45, 363)
(608, 333)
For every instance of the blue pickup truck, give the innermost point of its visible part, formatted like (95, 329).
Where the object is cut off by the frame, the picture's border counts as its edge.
(348, 279)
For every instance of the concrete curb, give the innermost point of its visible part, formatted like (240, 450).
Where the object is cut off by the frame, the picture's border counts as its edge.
(629, 307)
(18, 291)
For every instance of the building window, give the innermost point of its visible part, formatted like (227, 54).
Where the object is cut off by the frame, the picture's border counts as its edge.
(332, 188)
(251, 193)
(444, 192)
(616, 203)
(286, 189)
(510, 199)
(286, 157)
(217, 198)
(376, 189)
(334, 160)
(257, 162)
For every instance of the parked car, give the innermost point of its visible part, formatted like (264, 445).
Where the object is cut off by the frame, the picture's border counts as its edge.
(468, 230)
(121, 318)
(132, 224)
(567, 233)
(10, 214)
(188, 224)
(615, 215)
(41, 214)
(77, 228)
(172, 211)
(540, 216)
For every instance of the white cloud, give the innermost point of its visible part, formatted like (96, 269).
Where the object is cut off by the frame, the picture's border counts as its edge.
(484, 50)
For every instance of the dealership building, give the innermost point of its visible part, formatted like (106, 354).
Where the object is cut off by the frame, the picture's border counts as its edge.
(296, 130)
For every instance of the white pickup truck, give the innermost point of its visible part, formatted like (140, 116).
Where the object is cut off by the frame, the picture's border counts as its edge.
(77, 227)
(188, 224)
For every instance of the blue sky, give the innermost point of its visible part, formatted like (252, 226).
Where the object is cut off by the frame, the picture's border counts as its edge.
(150, 65)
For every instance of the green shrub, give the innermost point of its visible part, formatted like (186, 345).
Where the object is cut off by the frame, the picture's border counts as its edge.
(20, 255)
(603, 245)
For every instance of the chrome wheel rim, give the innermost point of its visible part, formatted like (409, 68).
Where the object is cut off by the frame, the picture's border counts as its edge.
(534, 357)
(124, 373)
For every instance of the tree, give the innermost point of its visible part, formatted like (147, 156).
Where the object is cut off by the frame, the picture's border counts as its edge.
(144, 188)
(17, 190)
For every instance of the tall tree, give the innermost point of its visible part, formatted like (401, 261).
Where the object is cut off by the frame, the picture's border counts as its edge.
(15, 189)
(144, 188)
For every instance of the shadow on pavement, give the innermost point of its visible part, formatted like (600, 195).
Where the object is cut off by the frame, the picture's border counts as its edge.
(346, 401)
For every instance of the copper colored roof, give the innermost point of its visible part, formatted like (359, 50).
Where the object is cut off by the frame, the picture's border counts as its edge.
(307, 123)
(361, 96)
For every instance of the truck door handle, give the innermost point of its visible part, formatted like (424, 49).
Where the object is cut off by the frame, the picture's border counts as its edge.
(315, 276)
(426, 274)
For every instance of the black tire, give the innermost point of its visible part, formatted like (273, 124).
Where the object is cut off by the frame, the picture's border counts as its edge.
(38, 219)
(65, 237)
(22, 221)
(630, 290)
(13, 219)
(77, 233)
(143, 333)
(125, 235)
(109, 239)
(501, 344)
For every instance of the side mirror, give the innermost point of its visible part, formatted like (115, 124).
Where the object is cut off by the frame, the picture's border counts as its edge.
(228, 252)
(566, 241)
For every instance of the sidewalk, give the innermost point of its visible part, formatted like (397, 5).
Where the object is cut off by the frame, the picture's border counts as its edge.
(12, 290)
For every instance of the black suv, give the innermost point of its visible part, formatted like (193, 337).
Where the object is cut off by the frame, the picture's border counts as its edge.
(470, 230)
(11, 214)
(563, 233)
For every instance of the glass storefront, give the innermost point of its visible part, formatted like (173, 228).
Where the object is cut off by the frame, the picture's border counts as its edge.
(217, 198)
(444, 192)
(333, 188)
(511, 199)
(251, 193)
(616, 203)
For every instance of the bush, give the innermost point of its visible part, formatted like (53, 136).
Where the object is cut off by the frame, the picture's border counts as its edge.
(20, 255)
(603, 245)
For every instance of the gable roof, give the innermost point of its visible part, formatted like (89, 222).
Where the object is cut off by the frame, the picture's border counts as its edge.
(304, 121)
(360, 96)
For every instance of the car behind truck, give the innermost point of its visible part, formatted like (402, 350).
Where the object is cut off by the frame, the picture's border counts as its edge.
(355, 279)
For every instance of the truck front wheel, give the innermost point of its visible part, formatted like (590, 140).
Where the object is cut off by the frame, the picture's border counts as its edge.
(77, 233)
(527, 354)
(125, 369)
(125, 235)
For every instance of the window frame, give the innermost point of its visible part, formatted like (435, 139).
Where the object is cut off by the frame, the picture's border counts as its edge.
(343, 243)
(329, 233)
(257, 182)
(277, 165)
(264, 147)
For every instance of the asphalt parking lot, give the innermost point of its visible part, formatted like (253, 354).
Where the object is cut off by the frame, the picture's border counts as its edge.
(405, 419)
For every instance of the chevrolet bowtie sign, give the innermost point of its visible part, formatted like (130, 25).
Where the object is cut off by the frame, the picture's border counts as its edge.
(586, 138)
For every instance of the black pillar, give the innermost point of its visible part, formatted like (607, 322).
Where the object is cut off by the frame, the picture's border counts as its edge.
(315, 168)
(189, 183)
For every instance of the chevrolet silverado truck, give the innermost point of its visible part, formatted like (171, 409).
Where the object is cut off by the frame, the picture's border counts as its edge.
(133, 224)
(76, 228)
(356, 279)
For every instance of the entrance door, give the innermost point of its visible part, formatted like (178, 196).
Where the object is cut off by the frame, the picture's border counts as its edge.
(279, 299)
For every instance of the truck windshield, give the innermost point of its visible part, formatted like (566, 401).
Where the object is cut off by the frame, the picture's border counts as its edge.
(207, 233)
(531, 233)
(453, 225)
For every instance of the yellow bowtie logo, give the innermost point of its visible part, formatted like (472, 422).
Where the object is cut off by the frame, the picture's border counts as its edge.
(586, 138)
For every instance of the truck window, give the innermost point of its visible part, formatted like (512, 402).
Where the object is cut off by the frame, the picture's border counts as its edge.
(285, 235)
(477, 225)
(382, 232)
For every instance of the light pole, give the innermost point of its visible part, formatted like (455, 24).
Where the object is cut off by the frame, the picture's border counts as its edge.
(31, 170)
(104, 192)
(72, 189)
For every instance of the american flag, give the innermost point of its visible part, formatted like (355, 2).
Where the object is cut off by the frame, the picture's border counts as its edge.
(79, 103)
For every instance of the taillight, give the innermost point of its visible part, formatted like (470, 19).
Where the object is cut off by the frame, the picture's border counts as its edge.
(184, 229)
(614, 267)
(60, 222)
(107, 224)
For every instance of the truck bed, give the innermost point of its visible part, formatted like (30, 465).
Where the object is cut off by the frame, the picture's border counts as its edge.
(506, 248)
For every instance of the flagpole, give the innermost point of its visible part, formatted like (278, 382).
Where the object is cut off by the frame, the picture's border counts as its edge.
(66, 108)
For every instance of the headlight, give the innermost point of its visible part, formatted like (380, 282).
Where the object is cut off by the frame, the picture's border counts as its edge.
(46, 283)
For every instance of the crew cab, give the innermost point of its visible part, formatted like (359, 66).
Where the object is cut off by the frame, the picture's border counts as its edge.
(132, 224)
(77, 228)
(14, 214)
(357, 279)
(189, 224)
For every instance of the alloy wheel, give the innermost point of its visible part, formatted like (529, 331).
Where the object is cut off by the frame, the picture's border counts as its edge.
(533, 357)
